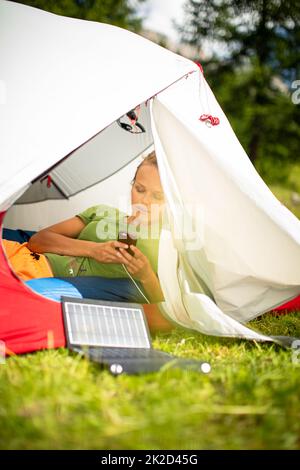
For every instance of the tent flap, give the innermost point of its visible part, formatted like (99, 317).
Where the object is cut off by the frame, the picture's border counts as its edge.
(242, 255)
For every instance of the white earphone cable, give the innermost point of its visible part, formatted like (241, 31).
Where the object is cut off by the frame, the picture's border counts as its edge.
(135, 283)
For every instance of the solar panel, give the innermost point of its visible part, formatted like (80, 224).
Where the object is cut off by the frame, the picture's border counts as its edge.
(105, 325)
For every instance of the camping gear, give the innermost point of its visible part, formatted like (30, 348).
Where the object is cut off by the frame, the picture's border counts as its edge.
(117, 337)
(229, 250)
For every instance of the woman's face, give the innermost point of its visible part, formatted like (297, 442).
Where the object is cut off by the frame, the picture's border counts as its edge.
(147, 194)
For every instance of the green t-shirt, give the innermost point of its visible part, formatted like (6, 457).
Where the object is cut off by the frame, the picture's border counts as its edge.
(103, 224)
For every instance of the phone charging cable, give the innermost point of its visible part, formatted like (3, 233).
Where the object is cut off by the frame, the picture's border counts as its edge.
(135, 284)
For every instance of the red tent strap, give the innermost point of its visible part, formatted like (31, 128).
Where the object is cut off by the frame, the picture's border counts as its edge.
(214, 121)
(200, 66)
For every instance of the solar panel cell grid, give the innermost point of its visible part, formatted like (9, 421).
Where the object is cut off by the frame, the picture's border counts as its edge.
(97, 325)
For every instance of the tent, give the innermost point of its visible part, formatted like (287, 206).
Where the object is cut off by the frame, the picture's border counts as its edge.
(229, 250)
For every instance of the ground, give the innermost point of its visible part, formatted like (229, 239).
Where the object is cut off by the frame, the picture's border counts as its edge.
(250, 400)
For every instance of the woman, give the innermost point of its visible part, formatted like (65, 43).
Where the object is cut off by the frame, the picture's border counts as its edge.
(87, 244)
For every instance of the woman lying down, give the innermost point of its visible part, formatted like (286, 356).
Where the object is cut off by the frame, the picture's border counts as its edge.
(89, 244)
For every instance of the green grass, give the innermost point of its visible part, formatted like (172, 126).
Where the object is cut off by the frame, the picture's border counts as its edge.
(284, 195)
(250, 400)
(292, 185)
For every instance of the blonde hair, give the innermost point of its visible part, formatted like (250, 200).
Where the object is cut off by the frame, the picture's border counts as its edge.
(150, 159)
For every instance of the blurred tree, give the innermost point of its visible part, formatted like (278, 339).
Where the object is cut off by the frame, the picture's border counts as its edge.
(254, 61)
(120, 13)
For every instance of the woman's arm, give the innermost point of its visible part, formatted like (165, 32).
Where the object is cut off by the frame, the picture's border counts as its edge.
(152, 287)
(61, 239)
(156, 321)
(140, 267)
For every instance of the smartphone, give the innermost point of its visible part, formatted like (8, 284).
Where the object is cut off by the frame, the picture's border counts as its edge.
(129, 239)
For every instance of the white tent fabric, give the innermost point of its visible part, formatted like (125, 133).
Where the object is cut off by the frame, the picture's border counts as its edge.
(245, 256)
(67, 80)
(113, 191)
(108, 152)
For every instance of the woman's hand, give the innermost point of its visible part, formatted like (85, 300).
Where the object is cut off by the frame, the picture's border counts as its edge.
(108, 252)
(138, 265)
